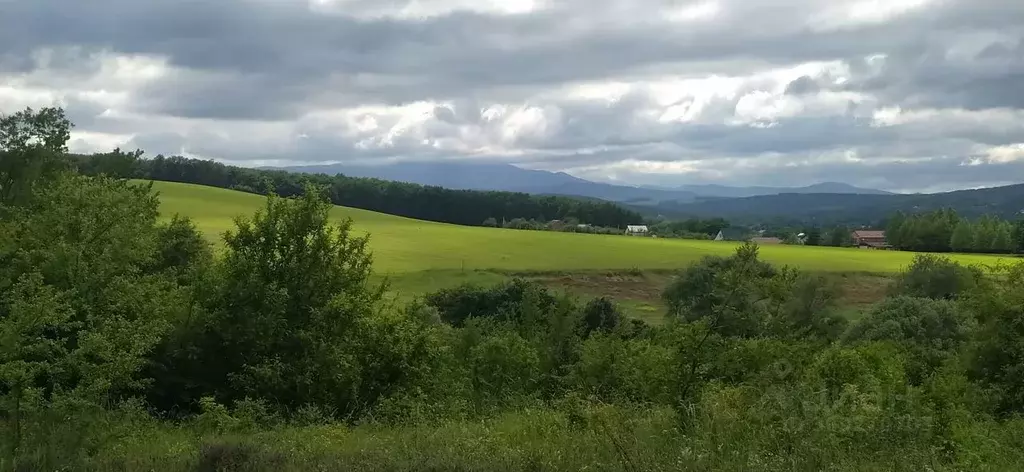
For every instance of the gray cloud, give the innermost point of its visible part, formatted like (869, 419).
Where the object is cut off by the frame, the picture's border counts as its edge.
(248, 80)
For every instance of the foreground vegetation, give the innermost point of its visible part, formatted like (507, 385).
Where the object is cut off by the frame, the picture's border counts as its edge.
(127, 344)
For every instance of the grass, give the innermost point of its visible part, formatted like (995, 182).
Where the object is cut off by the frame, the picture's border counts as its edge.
(422, 256)
(601, 438)
(404, 245)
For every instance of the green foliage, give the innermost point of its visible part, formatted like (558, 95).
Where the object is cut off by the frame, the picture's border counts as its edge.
(936, 277)
(601, 315)
(693, 228)
(507, 301)
(944, 231)
(82, 302)
(1018, 236)
(813, 237)
(839, 236)
(929, 331)
(287, 317)
(32, 149)
(117, 163)
(504, 368)
(617, 369)
(963, 237)
(997, 357)
(746, 297)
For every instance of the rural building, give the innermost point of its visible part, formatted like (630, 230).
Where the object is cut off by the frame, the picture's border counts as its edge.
(731, 234)
(636, 230)
(870, 239)
(762, 240)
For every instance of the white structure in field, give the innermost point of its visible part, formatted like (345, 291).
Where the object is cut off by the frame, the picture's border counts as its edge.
(636, 230)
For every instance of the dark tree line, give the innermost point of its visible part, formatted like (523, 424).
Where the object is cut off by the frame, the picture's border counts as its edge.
(464, 207)
(692, 228)
(945, 231)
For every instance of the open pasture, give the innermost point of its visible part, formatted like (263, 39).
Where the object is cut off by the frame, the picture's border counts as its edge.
(404, 245)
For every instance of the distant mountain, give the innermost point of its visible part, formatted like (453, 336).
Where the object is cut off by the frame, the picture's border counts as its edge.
(1005, 202)
(505, 177)
(724, 191)
(494, 176)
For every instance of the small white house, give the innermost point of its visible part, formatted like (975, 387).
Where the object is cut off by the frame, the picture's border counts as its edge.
(636, 230)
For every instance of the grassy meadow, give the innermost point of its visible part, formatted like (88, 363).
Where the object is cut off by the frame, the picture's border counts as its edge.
(403, 245)
(422, 256)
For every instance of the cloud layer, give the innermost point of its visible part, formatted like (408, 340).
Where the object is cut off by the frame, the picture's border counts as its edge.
(896, 94)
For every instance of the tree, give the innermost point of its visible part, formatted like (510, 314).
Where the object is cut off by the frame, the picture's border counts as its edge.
(117, 163)
(813, 236)
(1002, 242)
(490, 222)
(839, 237)
(1018, 235)
(287, 317)
(894, 231)
(984, 234)
(32, 147)
(81, 302)
(742, 296)
(963, 237)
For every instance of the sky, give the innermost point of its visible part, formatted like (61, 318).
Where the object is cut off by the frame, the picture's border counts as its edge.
(902, 95)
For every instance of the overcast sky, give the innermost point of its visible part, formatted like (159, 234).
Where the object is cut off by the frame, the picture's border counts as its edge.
(906, 95)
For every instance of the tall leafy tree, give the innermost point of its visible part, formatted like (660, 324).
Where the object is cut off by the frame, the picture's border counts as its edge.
(81, 302)
(963, 237)
(32, 147)
(813, 236)
(285, 317)
(1018, 235)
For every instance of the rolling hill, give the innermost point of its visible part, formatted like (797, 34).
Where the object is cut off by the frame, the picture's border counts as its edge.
(1005, 202)
(404, 245)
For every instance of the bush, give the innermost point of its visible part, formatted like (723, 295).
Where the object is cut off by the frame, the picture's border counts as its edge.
(930, 331)
(504, 369)
(742, 296)
(286, 318)
(506, 301)
(613, 369)
(940, 278)
(600, 315)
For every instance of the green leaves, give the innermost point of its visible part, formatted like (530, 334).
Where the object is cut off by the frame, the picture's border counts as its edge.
(32, 148)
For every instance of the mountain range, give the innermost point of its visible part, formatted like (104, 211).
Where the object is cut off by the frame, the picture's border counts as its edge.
(507, 177)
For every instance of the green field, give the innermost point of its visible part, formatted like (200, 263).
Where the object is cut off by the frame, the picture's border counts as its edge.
(404, 245)
(422, 256)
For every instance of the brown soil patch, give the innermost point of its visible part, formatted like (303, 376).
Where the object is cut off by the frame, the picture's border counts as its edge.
(861, 290)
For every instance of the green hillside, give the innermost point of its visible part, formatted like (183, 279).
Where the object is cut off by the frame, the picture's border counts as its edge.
(403, 245)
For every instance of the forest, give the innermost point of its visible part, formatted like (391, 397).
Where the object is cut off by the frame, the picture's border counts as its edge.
(464, 207)
(945, 231)
(127, 344)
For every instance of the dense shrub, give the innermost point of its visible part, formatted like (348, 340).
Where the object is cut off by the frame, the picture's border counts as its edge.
(286, 318)
(743, 296)
(997, 357)
(600, 315)
(929, 330)
(615, 369)
(504, 301)
(930, 276)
